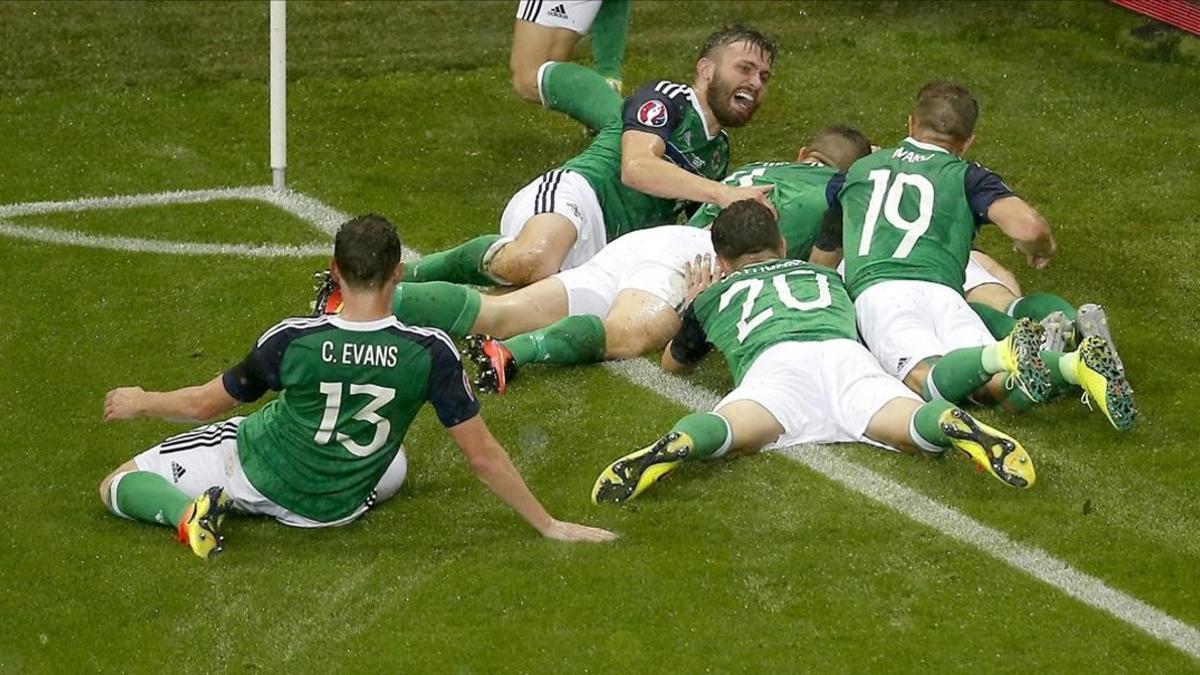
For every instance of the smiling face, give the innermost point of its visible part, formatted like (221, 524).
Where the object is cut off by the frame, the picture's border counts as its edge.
(737, 78)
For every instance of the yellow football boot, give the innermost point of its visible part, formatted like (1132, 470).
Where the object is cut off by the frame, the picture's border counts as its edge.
(1020, 355)
(994, 451)
(200, 526)
(1103, 381)
(629, 476)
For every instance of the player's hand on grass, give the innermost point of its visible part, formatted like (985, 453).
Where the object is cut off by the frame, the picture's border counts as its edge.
(563, 531)
(123, 403)
(756, 192)
(698, 276)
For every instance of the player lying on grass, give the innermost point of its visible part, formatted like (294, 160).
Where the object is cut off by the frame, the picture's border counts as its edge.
(640, 325)
(669, 149)
(544, 38)
(787, 331)
(994, 294)
(329, 447)
(905, 218)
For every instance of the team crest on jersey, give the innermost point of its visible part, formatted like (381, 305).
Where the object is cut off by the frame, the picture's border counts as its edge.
(652, 114)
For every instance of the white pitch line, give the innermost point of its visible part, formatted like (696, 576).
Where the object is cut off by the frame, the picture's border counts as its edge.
(954, 524)
(66, 238)
(904, 500)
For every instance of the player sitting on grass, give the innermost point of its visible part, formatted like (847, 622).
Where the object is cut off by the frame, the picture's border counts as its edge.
(908, 216)
(643, 262)
(544, 37)
(787, 331)
(329, 446)
(670, 149)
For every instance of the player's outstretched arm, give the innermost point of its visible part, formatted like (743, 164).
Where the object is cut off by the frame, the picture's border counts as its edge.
(189, 404)
(644, 169)
(1026, 227)
(492, 464)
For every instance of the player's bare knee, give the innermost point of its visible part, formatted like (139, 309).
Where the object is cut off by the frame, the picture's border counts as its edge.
(915, 379)
(523, 265)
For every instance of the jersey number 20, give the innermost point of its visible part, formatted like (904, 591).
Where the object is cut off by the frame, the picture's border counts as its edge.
(886, 197)
(380, 396)
(783, 291)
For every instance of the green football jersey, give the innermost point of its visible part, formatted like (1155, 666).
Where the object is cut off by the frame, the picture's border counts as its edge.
(348, 392)
(906, 215)
(798, 197)
(671, 112)
(762, 305)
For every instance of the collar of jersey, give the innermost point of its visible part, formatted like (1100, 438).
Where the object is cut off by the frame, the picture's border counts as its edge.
(926, 146)
(362, 326)
(691, 96)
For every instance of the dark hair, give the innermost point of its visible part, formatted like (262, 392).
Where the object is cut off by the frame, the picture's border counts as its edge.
(744, 227)
(738, 33)
(367, 250)
(946, 108)
(841, 144)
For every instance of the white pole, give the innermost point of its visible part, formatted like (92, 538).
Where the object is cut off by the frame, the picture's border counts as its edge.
(278, 92)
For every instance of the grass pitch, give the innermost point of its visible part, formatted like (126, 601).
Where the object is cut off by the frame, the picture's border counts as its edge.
(753, 565)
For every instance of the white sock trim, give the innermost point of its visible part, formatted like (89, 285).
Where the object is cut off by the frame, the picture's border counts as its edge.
(1013, 305)
(724, 449)
(920, 440)
(491, 253)
(540, 74)
(112, 495)
(934, 394)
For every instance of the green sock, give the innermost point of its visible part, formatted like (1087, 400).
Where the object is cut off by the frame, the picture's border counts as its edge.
(959, 373)
(568, 342)
(462, 264)
(1062, 371)
(581, 93)
(997, 322)
(150, 498)
(1016, 400)
(925, 429)
(608, 37)
(439, 304)
(1038, 306)
(709, 433)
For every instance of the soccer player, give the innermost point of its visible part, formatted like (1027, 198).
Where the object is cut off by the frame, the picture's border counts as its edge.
(787, 331)
(644, 315)
(544, 38)
(670, 149)
(798, 188)
(329, 447)
(909, 215)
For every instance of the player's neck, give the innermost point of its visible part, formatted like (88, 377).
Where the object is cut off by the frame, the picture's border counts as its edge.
(366, 305)
(710, 118)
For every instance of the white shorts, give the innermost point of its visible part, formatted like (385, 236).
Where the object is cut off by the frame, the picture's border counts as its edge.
(819, 392)
(648, 260)
(574, 15)
(977, 275)
(206, 456)
(567, 194)
(904, 322)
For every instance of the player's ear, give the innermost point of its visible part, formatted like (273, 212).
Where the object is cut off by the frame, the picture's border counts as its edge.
(705, 68)
(398, 273)
(803, 153)
(912, 126)
(335, 271)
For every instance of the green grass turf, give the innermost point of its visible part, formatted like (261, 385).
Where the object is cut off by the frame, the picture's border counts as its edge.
(758, 564)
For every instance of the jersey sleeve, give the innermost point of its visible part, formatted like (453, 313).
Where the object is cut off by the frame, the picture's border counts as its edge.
(691, 344)
(656, 109)
(449, 389)
(259, 372)
(983, 187)
(830, 236)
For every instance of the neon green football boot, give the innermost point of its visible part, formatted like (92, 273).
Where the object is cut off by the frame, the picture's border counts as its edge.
(1020, 355)
(992, 450)
(200, 527)
(632, 474)
(1103, 380)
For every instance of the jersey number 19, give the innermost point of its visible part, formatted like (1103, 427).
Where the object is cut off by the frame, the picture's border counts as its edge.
(885, 196)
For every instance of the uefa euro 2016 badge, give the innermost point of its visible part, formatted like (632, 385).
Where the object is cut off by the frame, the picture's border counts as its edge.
(652, 114)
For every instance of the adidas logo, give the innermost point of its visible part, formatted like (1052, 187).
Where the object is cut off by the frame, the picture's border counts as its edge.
(558, 12)
(177, 471)
(902, 362)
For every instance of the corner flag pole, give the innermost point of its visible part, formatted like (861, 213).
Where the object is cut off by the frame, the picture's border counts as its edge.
(278, 93)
